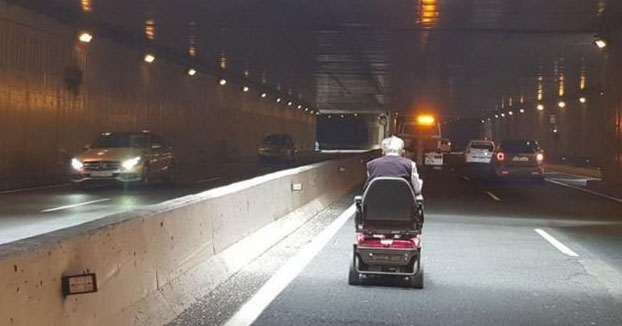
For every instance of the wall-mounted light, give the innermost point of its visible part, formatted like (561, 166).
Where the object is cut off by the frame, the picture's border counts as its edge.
(149, 58)
(191, 71)
(299, 106)
(278, 100)
(503, 115)
(85, 37)
(496, 116)
(245, 89)
(561, 104)
(222, 81)
(583, 99)
(290, 103)
(264, 94)
(483, 121)
(511, 113)
(540, 107)
(600, 42)
(522, 111)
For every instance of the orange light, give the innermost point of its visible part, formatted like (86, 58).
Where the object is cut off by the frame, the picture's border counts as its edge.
(426, 120)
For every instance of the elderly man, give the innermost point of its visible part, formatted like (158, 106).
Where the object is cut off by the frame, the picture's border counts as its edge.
(392, 164)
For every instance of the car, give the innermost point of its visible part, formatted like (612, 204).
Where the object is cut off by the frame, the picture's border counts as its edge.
(479, 152)
(126, 157)
(277, 146)
(519, 158)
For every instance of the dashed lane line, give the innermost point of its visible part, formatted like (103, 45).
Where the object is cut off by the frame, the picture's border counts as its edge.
(560, 246)
(74, 205)
(493, 196)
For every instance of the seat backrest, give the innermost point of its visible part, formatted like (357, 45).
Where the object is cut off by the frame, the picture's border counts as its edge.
(389, 205)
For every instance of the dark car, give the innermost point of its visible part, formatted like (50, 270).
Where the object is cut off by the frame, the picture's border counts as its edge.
(519, 158)
(277, 146)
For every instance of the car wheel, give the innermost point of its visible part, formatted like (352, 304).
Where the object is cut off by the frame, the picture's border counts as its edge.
(416, 281)
(168, 177)
(146, 177)
(354, 278)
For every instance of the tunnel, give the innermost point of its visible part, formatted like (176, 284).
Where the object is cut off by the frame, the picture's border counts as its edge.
(208, 162)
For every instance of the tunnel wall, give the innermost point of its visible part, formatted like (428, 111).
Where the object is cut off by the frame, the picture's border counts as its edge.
(580, 137)
(153, 263)
(612, 122)
(43, 123)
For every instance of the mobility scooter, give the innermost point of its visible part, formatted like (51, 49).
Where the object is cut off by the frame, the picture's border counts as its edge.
(389, 219)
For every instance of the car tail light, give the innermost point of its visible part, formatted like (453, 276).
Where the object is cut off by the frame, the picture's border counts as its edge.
(500, 156)
(540, 157)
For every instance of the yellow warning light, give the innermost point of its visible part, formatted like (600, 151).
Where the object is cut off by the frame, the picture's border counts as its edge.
(426, 120)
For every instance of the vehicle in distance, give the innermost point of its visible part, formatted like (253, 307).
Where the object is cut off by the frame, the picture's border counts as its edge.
(519, 158)
(479, 152)
(127, 157)
(277, 146)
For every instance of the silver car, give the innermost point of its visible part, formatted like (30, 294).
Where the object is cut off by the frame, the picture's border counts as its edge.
(124, 157)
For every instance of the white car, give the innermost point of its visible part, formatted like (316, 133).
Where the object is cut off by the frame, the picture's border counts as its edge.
(479, 152)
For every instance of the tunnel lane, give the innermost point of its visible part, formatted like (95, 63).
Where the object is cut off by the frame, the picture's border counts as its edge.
(29, 212)
(487, 263)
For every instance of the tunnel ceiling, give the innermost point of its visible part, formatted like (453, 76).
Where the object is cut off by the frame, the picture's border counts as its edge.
(454, 57)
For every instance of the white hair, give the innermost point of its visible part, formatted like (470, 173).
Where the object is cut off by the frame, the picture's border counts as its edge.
(392, 146)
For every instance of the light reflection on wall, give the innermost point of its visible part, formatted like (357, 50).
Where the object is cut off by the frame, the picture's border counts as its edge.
(540, 87)
(87, 5)
(583, 76)
(428, 14)
(192, 40)
(561, 78)
(150, 29)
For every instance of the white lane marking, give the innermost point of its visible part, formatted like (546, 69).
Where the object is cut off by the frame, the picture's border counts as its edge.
(74, 205)
(207, 180)
(466, 178)
(253, 308)
(560, 246)
(493, 196)
(12, 191)
(591, 192)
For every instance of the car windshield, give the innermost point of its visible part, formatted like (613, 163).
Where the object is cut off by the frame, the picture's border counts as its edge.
(486, 146)
(519, 146)
(275, 140)
(122, 140)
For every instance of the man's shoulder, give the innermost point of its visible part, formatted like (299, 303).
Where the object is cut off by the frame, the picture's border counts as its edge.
(390, 158)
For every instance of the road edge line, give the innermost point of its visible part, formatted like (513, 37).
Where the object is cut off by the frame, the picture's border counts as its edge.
(591, 192)
(255, 306)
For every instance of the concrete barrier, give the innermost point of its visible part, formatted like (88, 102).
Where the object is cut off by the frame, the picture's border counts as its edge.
(153, 263)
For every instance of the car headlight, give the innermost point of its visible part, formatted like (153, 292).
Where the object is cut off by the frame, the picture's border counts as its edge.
(131, 163)
(76, 164)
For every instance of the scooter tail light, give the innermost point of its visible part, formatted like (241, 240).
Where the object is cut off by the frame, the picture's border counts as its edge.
(500, 156)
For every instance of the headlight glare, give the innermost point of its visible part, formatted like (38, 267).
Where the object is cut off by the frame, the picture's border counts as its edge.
(76, 164)
(131, 163)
